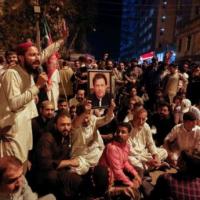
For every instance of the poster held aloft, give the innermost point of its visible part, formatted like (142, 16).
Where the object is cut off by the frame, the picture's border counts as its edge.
(99, 88)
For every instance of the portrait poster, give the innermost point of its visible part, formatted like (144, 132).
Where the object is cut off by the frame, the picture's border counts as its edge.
(99, 88)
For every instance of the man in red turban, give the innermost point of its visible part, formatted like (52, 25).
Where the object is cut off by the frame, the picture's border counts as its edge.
(18, 92)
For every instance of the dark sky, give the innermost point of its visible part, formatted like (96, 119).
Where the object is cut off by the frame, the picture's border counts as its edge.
(106, 38)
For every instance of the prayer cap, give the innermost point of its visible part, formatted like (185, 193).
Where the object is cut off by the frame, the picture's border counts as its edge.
(23, 47)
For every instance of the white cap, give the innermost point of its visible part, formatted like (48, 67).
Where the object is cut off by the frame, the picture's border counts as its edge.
(185, 105)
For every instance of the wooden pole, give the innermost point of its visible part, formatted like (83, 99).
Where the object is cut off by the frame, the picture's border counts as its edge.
(37, 16)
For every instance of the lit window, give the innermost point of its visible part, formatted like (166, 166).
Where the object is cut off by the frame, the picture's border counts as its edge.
(162, 30)
(163, 18)
(164, 4)
(150, 25)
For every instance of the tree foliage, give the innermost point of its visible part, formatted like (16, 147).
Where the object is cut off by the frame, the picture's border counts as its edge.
(18, 20)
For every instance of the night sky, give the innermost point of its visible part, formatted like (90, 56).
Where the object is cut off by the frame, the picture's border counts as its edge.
(106, 38)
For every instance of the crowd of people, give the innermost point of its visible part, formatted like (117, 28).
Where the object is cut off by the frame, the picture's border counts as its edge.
(68, 147)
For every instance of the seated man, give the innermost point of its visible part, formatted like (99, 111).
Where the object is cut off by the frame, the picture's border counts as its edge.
(72, 112)
(144, 154)
(133, 95)
(184, 184)
(115, 157)
(13, 185)
(185, 136)
(87, 144)
(133, 106)
(41, 123)
(53, 160)
(62, 105)
(163, 122)
(79, 98)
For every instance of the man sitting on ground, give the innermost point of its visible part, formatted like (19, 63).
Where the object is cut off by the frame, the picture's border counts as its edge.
(41, 123)
(185, 136)
(184, 184)
(115, 157)
(144, 154)
(79, 98)
(87, 143)
(53, 162)
(62, 105)
(13, 185)
(163, 122)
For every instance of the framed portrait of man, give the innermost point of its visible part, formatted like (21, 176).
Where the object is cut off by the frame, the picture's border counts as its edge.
(99, 88)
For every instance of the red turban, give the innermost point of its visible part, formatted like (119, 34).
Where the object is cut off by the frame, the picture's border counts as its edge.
(23, 47)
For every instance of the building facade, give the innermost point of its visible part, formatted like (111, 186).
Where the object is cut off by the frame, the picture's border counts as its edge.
(165, 26)
(188, 30)
(128, 29)
(153, 26)
(146, 37)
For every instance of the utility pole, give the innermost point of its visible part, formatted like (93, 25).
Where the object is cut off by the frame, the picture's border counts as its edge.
(37, 11)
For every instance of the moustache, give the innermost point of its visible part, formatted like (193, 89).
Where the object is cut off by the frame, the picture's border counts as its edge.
(37, 62)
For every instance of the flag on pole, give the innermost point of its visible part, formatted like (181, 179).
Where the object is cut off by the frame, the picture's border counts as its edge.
(53, 59)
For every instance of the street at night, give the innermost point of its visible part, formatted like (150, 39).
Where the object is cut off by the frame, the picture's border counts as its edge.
(99, 100)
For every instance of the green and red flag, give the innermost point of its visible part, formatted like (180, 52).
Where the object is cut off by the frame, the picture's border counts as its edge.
(53, 59)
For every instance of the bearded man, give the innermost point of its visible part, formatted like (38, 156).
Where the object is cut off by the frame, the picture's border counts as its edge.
(18, 92)
(53, 162)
